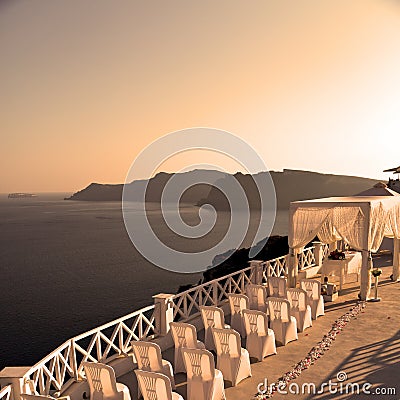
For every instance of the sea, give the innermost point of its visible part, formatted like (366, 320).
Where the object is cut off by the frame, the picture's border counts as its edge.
(69, 266)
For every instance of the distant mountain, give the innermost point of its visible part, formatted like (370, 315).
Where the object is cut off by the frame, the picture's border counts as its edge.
(155, 186)
(290, 185)
(293, 185)
(98, 192)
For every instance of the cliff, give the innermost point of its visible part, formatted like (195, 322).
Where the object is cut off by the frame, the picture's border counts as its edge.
(290, 185)
(155, 186)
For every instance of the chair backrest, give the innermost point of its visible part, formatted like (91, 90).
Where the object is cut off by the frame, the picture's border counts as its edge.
(255, 322)
(184, 335)
(212, 317)
(297, 298)
(312, 287)
(227, 342)
(238, 303)
(148, 355)
(153, 385)
(279, 309)
(199, 364)
(101, 380)
(257, 295)
(276, 286)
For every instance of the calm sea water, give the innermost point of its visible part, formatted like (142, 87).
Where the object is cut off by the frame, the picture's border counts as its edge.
(67, 267)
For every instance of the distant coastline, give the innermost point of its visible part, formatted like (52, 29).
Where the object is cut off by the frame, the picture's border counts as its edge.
(290, 185)
(21, 195)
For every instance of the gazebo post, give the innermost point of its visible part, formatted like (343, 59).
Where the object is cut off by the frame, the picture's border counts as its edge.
(366, 266)
(318, 253)
(365, 281)
(292, 268)
(396, 259)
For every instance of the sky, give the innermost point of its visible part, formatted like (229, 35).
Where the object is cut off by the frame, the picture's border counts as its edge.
(86, 85)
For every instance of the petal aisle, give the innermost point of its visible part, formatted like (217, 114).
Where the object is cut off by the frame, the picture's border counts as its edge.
(314, 354)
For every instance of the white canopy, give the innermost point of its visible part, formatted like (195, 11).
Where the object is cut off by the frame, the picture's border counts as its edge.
(361, 221)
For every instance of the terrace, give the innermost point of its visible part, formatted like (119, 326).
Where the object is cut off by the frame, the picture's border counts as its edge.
(61, 372)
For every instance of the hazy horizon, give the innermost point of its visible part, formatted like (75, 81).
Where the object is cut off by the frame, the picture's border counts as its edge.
(86, 86)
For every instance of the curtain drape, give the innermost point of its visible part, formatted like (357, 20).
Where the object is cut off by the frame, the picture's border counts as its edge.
(305, 225)
(328, 232)
(347, 222)
(350, 224)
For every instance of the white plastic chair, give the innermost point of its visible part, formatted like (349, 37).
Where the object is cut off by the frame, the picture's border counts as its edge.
(314, 297)
(204, 382)
(277, 287)
(148, 357)
(238, 303)
(257, 295)
(184, 336)
(155, 386)
(299, 308)
(213, 317)
(260, 340)
(103, 384)
(282, 323)
(232, 359)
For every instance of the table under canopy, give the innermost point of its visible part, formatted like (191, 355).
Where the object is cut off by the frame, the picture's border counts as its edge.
(360, 221)
(342, 269)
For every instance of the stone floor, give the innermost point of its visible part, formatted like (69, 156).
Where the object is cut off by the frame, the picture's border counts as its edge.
(367, 350)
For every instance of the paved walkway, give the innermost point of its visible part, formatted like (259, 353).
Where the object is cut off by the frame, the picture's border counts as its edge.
(367, 350)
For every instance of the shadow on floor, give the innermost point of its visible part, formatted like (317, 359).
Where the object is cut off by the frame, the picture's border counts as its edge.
(376, 364)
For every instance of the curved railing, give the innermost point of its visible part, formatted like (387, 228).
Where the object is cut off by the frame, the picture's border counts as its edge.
(186, 304)
(6, 393)
(113, 339)
(306, 258)
(101, 344)
(276, 267)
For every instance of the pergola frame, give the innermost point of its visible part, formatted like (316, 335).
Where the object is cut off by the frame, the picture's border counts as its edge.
(389, 209)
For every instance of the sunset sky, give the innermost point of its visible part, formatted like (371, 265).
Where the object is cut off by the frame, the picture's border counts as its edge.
(86, 85)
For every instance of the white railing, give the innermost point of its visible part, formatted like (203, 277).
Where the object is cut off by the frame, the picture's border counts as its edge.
(306, 258)
(325, 251)
(6, 392)
(101, 344)
(186, 304)
(276, 267)
(53, 371)
(113, 339)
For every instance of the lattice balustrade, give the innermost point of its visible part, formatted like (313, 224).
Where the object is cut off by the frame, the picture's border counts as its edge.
(53, 371)
(113, 339)
(325, 251)
(98, 345)
(276, 267)
(306, 258)
(6, 393)
(186, 304)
